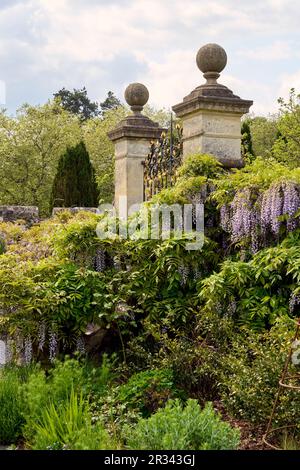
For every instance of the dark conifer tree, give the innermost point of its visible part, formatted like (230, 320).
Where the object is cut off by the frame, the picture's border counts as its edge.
(247, 149)
(75, 184)
(78, 102)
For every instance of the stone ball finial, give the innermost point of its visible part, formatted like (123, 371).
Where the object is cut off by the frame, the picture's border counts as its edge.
(211, 60)
(136, 95)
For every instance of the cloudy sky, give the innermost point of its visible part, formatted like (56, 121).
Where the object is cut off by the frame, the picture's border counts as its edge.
(105, 44)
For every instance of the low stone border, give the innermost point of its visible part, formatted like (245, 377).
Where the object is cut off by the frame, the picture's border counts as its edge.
(12, 213)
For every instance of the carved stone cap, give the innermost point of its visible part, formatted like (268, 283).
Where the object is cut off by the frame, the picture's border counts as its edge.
(134, 127)
(137, 125)
(195, 102)
(211, 60)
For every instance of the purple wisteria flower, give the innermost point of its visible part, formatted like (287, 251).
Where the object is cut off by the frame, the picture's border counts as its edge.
(252, 216)
(291, 204)
(80, 345)
(293, 302)
(41, 336)
(100, 261)
(53, 343)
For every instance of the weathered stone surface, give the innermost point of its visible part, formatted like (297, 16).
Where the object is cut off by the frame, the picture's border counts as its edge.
(214, 133)
(129, 171)
(135, 127)
(211, 113)
(132, 138)
(211, 58)
(12, 213)
(136, 95)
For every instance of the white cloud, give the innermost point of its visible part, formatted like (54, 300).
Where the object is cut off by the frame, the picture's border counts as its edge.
(103, 44)
(176, 77)
(278, 50)
(288, 81)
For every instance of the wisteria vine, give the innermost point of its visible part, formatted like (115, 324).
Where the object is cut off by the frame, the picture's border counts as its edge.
(252, 216)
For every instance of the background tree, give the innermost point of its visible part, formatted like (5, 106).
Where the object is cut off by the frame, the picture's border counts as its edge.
(162, 116)
(75, 183)
(78, 102)
(287, 147)
(30, 147)
(101, 149)
(32, 143)
(264, 133)
(247, 150)
(111, 102)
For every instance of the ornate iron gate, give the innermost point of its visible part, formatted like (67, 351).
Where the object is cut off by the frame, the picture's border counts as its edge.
(160, 167)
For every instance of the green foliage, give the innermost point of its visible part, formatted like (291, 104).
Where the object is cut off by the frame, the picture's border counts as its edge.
(257, 292)
(200, 165)
(67, 300)
(246, 141)
(2, 246)
(31, 145)
(11, 405)
(286, 147)
(257, 175)
(74, 183)
(250, 376)
(55, 390)
(161, 116)
(176, 428)
(264, 133)
(148, 390)
(77, 102)
(68, 426)
(194, 364)
(290, 441)
(110, 102)
(52, 411)
(101, 149)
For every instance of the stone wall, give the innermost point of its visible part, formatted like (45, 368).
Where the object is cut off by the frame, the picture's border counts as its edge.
(31, 213)
(12, 213)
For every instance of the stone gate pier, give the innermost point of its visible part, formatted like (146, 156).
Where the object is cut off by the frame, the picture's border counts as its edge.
(132, 138)
(211, 114)
(211, 123)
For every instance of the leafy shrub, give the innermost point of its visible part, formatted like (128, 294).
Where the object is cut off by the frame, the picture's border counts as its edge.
(2, 246)
(68, 426)
(286, 147)
(11, 406)
(200, 165)
(183, 428)
(148, 390)
(194, 365)
(37, 393)
(255, 293)
(142, 395)
(66, 377)
(250, 376)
